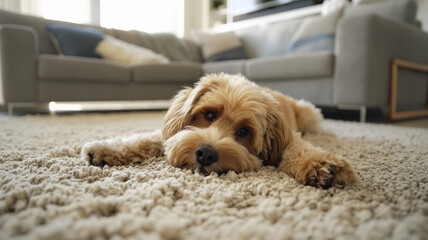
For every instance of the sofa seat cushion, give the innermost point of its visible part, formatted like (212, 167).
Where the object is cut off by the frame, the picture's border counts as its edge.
(69, 68)
(174, 72)
(295, 66)
(230, 67)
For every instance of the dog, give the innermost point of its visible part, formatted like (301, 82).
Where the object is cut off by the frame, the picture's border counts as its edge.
(228, 123)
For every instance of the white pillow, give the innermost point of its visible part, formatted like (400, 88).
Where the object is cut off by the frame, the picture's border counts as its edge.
(118, 50)
(330, 6)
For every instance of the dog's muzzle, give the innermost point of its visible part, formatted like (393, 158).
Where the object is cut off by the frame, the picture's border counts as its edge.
(206, 155)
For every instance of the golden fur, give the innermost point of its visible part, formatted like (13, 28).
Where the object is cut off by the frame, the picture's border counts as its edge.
(247, 125)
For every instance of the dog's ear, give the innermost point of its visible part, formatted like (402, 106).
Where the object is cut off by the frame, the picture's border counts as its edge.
(276, 138)
(179, 114)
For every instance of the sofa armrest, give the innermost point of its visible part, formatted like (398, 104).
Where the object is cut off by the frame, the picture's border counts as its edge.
(18, 64)
(364, 48)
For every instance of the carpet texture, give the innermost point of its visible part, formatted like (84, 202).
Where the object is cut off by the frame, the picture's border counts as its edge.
(48, 192)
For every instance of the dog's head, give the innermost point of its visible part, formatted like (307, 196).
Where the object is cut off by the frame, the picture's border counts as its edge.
(224, 123)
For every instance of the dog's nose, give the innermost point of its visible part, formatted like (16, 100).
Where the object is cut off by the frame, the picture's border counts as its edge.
(206, 155)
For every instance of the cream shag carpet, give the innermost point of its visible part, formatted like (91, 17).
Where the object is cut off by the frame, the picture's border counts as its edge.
(48, 192)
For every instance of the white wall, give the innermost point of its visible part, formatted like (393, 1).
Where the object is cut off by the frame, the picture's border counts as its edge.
(196, 16)
(422, 14)
(14, 6)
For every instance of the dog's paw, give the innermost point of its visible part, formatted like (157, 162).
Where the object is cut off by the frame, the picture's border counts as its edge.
(99, 154)
(327, 171)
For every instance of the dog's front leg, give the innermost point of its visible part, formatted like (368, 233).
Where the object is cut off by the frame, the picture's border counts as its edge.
(314, 166)
(122, 151)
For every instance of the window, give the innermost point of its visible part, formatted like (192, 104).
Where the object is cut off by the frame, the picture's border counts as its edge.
(77, 11)
(144, 15)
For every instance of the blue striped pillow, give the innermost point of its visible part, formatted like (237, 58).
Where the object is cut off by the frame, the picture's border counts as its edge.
(315, 33)
(320, 42)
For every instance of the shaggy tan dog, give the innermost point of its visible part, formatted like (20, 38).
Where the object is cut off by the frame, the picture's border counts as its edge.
(229, 123)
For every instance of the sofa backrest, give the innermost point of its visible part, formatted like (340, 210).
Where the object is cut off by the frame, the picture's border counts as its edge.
(401, 10)
(38, 24)
(167, 44)
(275, 38)
(268, 40)
(170, 46)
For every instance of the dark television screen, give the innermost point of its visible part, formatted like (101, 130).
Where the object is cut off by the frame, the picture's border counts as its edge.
(246, 6)
(244, 9)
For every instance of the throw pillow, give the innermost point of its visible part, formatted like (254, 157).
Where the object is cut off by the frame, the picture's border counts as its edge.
(329, 6)
(117, 50)
(74, 41)
(220, 46)
(315, 34)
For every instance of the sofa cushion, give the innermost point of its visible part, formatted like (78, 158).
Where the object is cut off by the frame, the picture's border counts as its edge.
(315, 33)
(318, 91)
(68, 68)
(268, 40)
(220, 46)
(121, 51)
(75, 41)
(167, 73)
(230, 67)
(305, 65)
(167, 44)
(170, 46)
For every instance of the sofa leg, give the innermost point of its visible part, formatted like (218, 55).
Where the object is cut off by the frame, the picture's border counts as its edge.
(363, 113)
(10, 109)
(361, 108)
(12, 106)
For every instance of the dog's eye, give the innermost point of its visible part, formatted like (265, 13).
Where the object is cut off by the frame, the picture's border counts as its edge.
(210, 116)
(243, 132)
